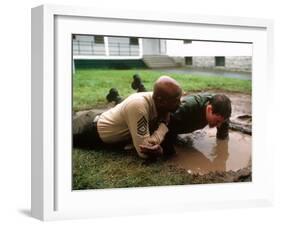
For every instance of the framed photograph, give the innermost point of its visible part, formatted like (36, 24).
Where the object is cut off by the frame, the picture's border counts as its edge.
(89, 64)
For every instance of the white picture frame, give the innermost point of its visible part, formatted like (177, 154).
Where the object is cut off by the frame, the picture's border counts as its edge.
(52, 195)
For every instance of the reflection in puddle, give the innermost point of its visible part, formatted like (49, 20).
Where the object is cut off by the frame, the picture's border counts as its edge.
(210, 154)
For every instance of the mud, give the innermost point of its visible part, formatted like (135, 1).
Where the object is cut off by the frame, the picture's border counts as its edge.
(204, 153)
(242, 175)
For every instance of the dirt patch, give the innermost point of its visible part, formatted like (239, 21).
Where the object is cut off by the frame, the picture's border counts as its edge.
(241, 117)
(242, 175)
(203, 153)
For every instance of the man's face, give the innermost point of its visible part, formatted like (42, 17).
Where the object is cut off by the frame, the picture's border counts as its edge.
(172, 104)
(214, 120)
(169, 102)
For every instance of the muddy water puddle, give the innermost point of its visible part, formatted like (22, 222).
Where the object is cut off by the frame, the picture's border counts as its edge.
(208, 154)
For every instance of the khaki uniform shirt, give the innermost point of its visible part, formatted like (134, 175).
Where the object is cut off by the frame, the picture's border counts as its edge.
(130, 120)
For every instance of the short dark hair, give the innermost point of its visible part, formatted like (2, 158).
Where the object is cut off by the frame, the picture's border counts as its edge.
(221, 105)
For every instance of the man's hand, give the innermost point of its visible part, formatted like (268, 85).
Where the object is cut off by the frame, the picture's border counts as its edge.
(151, 150)
(165, 118)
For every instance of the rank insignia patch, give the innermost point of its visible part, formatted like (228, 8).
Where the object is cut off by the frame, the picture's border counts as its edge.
(142, 126)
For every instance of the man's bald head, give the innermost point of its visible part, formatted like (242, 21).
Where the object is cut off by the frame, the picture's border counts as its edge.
(166, 86)
(167, 93)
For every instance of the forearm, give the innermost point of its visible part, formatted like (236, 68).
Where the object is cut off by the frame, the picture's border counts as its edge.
(223, 130)
(158, 135)
(168, 143)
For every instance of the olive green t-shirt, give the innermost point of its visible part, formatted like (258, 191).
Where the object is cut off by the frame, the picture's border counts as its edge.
(191, 116)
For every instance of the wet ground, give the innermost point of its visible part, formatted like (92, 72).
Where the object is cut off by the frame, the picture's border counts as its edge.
(208, 154)
(203, 153)
(208, 72)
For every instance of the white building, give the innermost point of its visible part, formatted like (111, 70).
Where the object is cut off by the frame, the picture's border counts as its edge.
(159, 53)
(151, 52)
(102, 47)
(215, 55)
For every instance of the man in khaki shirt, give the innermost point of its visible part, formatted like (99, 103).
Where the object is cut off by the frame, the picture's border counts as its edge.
(132, 120)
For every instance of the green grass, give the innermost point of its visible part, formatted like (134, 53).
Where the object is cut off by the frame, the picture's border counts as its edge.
(94, 169)
(118, 169)
(91, 86)
(98, 169)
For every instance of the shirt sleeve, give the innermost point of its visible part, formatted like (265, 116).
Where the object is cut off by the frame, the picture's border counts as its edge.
(137, 118)
(178, 124)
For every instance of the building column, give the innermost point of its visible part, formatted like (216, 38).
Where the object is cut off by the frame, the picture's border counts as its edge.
(140, 48)
(106, 46)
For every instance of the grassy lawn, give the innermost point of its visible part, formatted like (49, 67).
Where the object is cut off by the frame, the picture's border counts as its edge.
(117, 168)
(90, 87)
(97, 169)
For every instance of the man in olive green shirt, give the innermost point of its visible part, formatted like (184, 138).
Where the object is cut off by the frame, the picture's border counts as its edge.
(196, 112)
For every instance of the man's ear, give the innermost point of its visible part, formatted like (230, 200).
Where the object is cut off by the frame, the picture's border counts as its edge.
(209, 108)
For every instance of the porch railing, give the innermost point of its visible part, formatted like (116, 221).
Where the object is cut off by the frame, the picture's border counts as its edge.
(90, 48)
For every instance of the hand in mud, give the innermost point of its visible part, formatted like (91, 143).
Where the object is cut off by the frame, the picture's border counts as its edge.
(222, 130)
(151, 151)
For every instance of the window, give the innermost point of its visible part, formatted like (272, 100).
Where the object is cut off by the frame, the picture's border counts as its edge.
(220, 61)
(188, 61)
(134, 41)
(99, 39)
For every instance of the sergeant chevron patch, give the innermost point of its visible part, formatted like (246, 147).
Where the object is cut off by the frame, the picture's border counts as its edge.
(142, 126)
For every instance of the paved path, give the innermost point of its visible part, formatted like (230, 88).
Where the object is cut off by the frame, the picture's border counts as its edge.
(209, 72)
